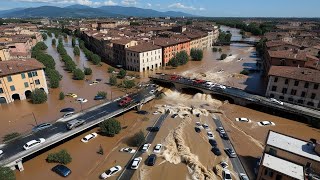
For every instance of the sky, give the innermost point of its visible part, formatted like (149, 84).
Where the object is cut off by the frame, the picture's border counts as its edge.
(210, 8)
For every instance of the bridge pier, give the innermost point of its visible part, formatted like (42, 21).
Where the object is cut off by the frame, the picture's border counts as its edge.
(19, 165)
(139, 107)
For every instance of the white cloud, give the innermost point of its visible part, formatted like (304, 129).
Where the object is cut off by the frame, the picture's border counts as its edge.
(202, 9)
(149, 5)
(158, 5)
(129, 2)
(110, 3)
(82, 2)
(181, 6)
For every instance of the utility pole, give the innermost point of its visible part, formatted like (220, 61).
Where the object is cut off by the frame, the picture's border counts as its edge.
(34, 117)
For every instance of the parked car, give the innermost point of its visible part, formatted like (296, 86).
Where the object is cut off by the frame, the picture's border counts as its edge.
(75, 123)
(67, 110)
(82, 100)
(73, 95)
(41, 127)
(62, 170)
(220, 130)
(210, 135)
(224, 136)
(128, 150)
(1, 152)
(88, 137)
(99, 98)
(152, 91)
(33, 143)
(174, 116)
(151, 160)
(243, 120)
(93, 83)
(156, 112)
(266, 123)
(197, 129)
(243, 176)
(68, 114)
(205, 126)
(136, 162)
(213, 142)
(226, 175)
(154, 129)
(110, 172)
(216, 151)
(198, 124)
(230, 152)
(224, 164)
(145, 147)
(157, 148)
(276, 101)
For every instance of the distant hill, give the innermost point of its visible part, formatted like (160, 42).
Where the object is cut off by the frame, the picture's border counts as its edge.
(79, 11)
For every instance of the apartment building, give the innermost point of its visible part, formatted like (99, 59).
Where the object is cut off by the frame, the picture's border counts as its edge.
(287, 157)
(119, 50)
(144, 57)
(295, 85)
(4, 53)
(171, 46)
(18, 78)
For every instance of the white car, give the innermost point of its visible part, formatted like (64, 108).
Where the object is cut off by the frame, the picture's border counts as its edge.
(136, 162)
(68, 114)
(128, 150)
(226, 175)
(1, 152)
(88, 137)
(198, 124)
(156, 112)
(222, 86)
(145, 147)
(94, 82)
(112, 171)
(152, 91)
(276, 101)
(210, 135)
(243, 120)
(33, 143)
(224, 164)
(82, 100)
(157, 148)
(266, 123)
(221, 130)
(243, 176)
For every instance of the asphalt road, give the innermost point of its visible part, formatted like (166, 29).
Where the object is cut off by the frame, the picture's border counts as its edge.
(15, 148)
(236, 164)
(127, 173)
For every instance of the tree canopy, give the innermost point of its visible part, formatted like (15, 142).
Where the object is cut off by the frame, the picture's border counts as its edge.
(110, 127)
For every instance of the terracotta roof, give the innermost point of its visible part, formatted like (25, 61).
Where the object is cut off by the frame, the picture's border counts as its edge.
(302, 56)
(144, 47)
(279, 43)
(302, 74)
(16, 66)
(121, 41)
(164, 42)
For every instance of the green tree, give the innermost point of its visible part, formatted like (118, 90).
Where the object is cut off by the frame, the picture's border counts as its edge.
(44, 36)
(223, 56)
(113, 80)
(73, 41)
(76, 51)
(137, 139)
(102, 94)
(173, 62)
(96, 59)
(215, 49)
(196, 54)
(62, 157)
(61, 96)
(10, 136)
(111, 69)
(128, 84)
(87, 71)
(38, 96)
(110, 127)
(40, 46)
(244, 72)
(7, 174)
(78, 74)
(122, 73)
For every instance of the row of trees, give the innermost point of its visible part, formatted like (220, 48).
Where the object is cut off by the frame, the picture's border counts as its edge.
(224, 37)
(94, 58)
(180, 58)
(53, 75)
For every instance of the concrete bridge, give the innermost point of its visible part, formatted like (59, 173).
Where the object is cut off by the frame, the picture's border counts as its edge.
(237, 96)
(14, 154)
(254, 43)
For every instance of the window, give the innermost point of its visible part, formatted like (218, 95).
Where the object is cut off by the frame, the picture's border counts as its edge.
(310, 103)
(272, 152)
(29, 74)
(313, 96)
(300, 101)
(23, 76)
(286, 81)
(274, 88)
(1, 90)
(0, 82)
(293, 92)
(278, 177)
(37, 82)
(26, 84)
(271, 95)
(34, 73)
(281, 97)
(306, 85)
(9, 78)
(12, 88)
(290, 99)
(276, 79)
(303, 94)
(316, 86)
(296, 83)
(284, 90)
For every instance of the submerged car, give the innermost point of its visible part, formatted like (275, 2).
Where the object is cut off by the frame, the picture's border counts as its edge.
(82, 100)
(67, 110)
(226, 175)
(266, 123)
(88, 137)
(99, 98)
(216, 151)
(128, 150)
(151, 160)
(243, 120)
(157, 148)
(62, 170)
(110, 172)
(73, 95)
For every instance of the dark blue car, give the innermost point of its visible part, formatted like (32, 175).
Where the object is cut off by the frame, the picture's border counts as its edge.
(61, 170)
(99, 98)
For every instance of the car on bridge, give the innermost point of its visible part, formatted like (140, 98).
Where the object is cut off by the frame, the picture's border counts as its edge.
(41, 127)
(136, 162)
(33, 143)
(266, 123)
(276, 101)
(112, 171)
(128, 150)
(230, 152)
(126, 101)
(88, 137)
(1, 152)
(61, 170)
(226, 175)
(75, 123)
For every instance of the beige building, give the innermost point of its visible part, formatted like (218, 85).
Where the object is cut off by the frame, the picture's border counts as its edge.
(294, 85)
(287, 157)
(144, 57)
(4, 53)
(18, 78)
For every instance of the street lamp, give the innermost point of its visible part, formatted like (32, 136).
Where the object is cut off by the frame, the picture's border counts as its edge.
(80, 105)
(34, 117)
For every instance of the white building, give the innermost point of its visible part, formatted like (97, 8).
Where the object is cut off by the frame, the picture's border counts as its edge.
(143, 57)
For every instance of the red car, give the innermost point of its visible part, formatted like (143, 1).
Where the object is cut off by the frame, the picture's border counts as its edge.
(125, 101)
(198, 81)
(174, 77)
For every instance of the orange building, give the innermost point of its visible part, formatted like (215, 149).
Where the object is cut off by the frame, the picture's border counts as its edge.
(171, 46)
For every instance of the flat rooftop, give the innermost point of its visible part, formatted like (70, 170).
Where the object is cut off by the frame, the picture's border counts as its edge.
(285, 167)
(293, 145)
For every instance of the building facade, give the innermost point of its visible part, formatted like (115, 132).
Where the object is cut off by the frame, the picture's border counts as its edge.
(144, 57)
(119, 50)
(18, 78)
(295, 85)
(4, 53)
